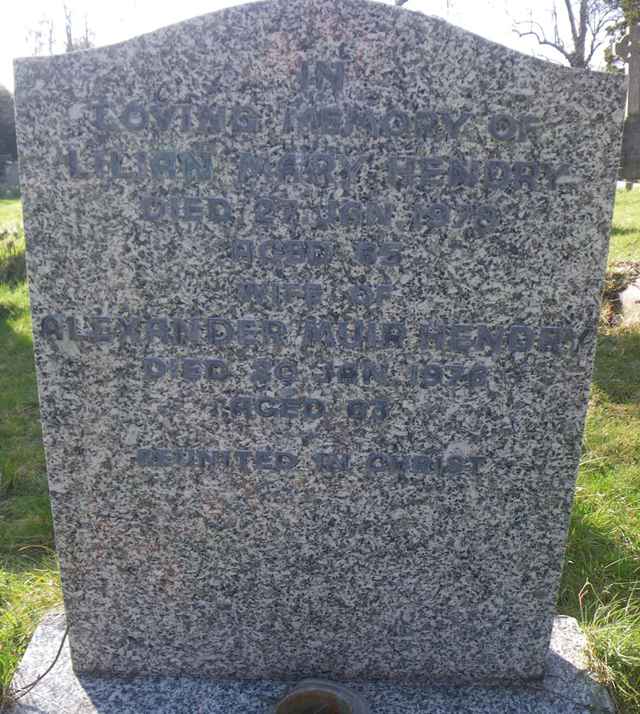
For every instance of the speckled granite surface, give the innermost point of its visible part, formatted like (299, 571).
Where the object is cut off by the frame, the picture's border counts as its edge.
(314, 290)
(567, 688)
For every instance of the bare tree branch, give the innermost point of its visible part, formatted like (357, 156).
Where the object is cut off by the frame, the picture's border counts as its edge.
(68, 29)
(542, 40)
(556, 26)
(587, 24)
(572, 21)
(594, 47)
(51, 38)
(598, 23)
(42, 37)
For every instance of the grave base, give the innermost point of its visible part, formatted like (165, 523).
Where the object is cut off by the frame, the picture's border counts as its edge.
(567, 687)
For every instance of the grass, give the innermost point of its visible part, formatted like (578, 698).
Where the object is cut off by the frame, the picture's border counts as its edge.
(601, 579)
(625, 233)
(29, 581)
(10, 211)
(602, 573)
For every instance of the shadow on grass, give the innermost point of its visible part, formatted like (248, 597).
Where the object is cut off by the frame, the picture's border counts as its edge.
(14, 340)
(25, 521)
(13, 269)
(26, 530)
(624, 231)
(11, 312)
(21, 453)
(617, 367)
(28, 559)
(26, 524)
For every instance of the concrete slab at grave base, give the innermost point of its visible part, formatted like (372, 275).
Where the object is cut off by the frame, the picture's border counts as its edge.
(567, 687)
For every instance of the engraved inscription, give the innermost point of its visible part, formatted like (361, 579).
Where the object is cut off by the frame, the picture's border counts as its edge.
(280, 243)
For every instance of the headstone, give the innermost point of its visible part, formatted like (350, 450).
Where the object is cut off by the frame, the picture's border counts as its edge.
(314, 289)
(628, 50)
(4, 161)
(11, 177)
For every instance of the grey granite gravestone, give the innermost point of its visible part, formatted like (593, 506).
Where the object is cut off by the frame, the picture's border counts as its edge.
(314, 289)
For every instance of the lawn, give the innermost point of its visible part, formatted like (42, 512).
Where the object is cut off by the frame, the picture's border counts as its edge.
(29, 582)
(625, 236)
(10, 212)
(601, 580)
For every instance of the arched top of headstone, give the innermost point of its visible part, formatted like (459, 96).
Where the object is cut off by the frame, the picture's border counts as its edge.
(269, 56)
(419, 44)
(314, 289)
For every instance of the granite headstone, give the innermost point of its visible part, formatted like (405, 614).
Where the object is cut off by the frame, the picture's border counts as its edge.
(314, 289)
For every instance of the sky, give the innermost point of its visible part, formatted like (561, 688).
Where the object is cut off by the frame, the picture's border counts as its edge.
(117, 20)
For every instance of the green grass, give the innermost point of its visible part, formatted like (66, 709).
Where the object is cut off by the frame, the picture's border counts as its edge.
(625, 235)
(601, 582)
(601, 579)
(29, 587)
(10, 211)
(29, 581)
